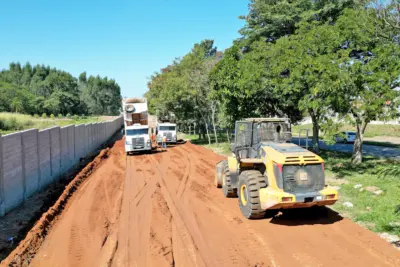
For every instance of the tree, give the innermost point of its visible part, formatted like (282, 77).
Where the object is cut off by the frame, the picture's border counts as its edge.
(269, 20)
(182, 89)
(305, 69)
(16, 105)
(373, 71)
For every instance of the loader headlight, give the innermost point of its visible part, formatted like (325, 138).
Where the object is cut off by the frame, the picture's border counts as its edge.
(329, 197)
(318, 198)
(287, 199)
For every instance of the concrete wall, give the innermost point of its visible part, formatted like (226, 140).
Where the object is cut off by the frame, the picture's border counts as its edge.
(55, 152)
(13, 176)
(44, 158)
(30, 160)
(30, 148)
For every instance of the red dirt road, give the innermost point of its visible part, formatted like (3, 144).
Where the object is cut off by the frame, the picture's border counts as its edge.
(162, 209)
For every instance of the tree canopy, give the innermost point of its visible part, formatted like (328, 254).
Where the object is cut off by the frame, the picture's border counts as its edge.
(294, 58)
(42, 89)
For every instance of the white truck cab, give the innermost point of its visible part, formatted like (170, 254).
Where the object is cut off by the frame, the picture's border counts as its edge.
(166, 129)
(137, 138)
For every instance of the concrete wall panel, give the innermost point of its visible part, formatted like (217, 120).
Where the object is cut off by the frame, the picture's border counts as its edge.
(44, 158)
(78, 141)
(64, 153)
(30, 153)
(86, 142)
(55, 152)
(2, 210)
(71, 145)
(14, 186)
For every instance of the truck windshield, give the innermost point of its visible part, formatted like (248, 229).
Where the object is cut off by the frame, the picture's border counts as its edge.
(167, 128)
(137, 131)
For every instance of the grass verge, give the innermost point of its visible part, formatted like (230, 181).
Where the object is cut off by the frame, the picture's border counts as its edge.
(372, 130)
(371, 187)
(13, 122)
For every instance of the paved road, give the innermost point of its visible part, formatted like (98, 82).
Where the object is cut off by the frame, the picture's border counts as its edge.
(376, 151)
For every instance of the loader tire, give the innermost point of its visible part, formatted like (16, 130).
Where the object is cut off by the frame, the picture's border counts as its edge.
(219, 169)
(227, 187)
(250, 183)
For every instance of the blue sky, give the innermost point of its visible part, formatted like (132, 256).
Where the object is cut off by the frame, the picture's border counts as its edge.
(124, 40)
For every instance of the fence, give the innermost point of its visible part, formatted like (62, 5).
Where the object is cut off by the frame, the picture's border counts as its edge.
(30, 160)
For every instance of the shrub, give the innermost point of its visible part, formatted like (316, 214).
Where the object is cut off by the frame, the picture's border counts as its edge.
(83, 116)
(11, 124)
(68, 116)
(75, 117)
(44, 115)
(36, 116)
(60, 116)
(52, 116)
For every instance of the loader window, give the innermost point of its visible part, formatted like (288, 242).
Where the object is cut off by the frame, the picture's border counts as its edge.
(273, 131)
(137, 132)
(243, 134)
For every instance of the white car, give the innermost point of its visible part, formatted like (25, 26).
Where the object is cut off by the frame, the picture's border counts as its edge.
(346, 137)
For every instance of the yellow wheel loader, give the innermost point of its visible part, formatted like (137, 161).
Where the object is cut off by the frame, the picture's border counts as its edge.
(267, 172)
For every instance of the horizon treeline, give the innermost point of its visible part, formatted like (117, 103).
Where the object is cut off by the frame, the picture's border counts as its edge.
(43, 89)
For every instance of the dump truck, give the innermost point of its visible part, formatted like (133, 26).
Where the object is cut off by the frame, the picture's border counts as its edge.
(268, 172)
(138, 133)
(168, 129)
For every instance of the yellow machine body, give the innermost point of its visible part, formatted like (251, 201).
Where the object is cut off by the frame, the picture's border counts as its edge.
(273, 196)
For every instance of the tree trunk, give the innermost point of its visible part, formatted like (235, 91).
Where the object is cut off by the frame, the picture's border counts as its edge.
(315, 138)
(208, 134)
(358, 143)
(213, 108)
(228, 137)
(215, 129)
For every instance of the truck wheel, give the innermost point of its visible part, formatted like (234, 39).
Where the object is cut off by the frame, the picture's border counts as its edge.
(250, 183)
(227, 187)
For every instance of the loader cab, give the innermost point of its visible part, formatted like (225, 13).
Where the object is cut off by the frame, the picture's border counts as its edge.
(251, 134)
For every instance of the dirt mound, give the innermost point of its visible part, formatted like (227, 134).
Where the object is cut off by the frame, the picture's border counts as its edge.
(25, 251)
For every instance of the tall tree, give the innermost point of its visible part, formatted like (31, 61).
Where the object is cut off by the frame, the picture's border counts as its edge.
(373, 72)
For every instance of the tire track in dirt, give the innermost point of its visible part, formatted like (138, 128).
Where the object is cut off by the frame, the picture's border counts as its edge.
(160, 247)
(191, 248)
(185, 179)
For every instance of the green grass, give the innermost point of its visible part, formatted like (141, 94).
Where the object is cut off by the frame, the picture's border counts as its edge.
(13, 122)
(372, 130)
(379, 213)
